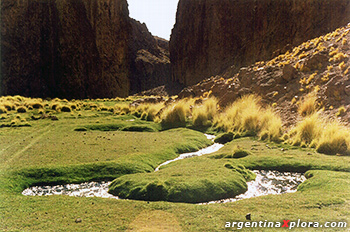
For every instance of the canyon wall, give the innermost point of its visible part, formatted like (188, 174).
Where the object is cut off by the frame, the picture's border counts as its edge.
(212, 35)
(77, 49)
(65, 48)
(150, 62)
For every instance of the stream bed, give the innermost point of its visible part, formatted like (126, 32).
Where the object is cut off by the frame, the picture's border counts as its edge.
(266, 183)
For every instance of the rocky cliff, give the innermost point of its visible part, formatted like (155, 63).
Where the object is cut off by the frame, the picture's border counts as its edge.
(77, 49)
(150, 62)
(212, 35)
(65, 48)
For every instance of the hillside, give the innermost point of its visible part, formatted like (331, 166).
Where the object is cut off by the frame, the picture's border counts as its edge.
(319, 66)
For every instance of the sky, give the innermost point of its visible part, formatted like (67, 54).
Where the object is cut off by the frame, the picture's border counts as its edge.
(159, 15)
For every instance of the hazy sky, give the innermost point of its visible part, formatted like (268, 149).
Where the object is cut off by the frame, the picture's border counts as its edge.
(159, 15)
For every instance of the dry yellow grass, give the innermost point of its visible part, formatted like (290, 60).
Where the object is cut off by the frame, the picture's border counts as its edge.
(204, 114)
(247, 116)
(175, 114)
(149, 112)
(306, 131)
(335, 139)
(308, 105)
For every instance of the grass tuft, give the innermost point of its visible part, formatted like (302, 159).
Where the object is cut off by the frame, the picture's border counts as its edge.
(3, 110)
(248, 117)
(175, 114)
(308, 106)
(66, 109)
(307, 130)
(22, 109)
(204, 114)
(335, 139)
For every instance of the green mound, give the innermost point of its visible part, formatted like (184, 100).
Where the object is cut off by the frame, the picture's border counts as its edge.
(224, 138)
(238, 153)
(190, 180)
(139, 128)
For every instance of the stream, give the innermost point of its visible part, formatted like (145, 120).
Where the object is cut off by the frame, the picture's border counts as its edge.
(265, 183)
(207, 150)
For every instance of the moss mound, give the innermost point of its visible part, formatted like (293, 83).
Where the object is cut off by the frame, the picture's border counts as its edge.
(139, 128)
(191, 180)
(225, 138)
(238, 153)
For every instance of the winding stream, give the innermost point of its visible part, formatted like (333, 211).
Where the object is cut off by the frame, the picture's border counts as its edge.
(208, 150)
(266, 182)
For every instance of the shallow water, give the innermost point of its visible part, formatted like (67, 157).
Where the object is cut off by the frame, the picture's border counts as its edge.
(266, 183)
(87, 189)
(208, 150)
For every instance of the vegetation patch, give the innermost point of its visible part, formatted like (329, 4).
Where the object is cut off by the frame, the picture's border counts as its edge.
(224, 138)
(81, 129)
(191, 180)
(247, 116)
(139, 128)
(280, 157)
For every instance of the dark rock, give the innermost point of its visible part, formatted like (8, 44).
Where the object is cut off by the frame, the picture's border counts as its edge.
(317, 61)
(289, 72)
(72, 49)
(77, 49)
(150, 62)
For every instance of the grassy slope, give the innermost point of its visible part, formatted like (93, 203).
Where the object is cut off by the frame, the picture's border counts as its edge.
(324, 197)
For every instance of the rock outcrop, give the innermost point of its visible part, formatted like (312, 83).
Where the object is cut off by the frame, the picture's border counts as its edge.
(150, 62)
(212, 35)
(77, 49)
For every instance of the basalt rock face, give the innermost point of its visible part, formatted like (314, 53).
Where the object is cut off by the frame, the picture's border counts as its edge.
(150, 62)
(65, 48)
(212, 35)
(77, 49)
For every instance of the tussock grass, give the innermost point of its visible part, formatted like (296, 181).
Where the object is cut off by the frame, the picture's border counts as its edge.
(36, 105)
(204, 114)
(148, 111)
(335, 139)
(271, 125)
(122, 108)
(327, 136)
(55, 106)
(308, 106)
(248, 117)
(66, 109)
(21, 109)
(307, 130)
(175, 115)
(9, 106)
(3, 110)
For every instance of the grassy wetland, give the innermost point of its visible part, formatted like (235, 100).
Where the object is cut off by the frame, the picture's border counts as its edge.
(48, 142)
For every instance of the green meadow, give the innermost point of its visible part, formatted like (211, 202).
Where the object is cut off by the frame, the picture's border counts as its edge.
(49, 142)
